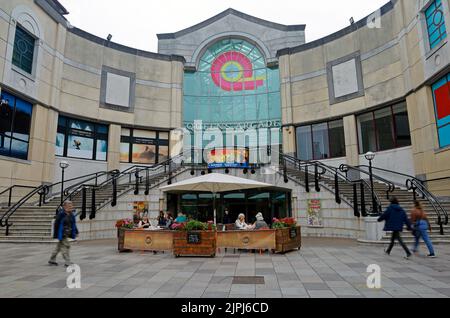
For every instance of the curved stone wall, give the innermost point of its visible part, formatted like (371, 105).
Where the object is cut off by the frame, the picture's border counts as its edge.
(368, 65)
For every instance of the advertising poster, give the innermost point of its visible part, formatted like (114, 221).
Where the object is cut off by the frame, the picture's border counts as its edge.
(140, 208)
(314, 217)
(228, 158)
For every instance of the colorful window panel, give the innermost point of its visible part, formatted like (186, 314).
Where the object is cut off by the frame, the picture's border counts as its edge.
(435, 23)
(441, 93)
(232, 85)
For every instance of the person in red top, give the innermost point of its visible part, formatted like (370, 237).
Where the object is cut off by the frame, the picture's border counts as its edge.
(421, 225)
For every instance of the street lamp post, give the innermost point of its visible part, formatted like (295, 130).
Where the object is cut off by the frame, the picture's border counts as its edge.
(63, 165)
(370, 156)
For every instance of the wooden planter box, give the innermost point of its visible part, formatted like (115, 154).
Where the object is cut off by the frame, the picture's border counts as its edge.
(197, 243)
(288, 239)
(121, 240)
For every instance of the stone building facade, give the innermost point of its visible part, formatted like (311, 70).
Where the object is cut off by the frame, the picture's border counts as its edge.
(381, 84)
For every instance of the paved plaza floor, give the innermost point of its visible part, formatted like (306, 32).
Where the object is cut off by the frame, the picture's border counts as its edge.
(322, 269)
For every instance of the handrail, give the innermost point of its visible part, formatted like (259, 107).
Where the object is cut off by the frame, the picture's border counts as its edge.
(10, 189)
(116, 175)
(43, 191)
(390, 171)
(4, 220)
(412, 184)
(391, 185)
(337, 175)
(95, 177)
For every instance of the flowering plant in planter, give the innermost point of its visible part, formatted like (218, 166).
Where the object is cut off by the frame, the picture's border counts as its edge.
(125, 224)
(194, 226)
(284, 223)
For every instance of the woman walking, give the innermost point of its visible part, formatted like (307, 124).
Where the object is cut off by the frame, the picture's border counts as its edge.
(421, 224)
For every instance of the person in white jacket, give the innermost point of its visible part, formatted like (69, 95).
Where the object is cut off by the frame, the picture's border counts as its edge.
(240, 223)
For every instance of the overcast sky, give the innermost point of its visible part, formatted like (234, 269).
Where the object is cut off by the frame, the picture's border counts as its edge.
(135, 23)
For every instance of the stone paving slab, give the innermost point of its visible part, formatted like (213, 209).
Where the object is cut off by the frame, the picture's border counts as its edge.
(322, 269)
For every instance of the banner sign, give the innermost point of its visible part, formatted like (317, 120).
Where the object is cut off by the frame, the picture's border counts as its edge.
(228, 158)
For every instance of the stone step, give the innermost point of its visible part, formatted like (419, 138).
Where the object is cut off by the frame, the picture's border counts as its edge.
(26, 237)
(46, 241)
(29, 233)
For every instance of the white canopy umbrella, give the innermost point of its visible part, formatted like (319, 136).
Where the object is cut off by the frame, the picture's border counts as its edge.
(215, 183)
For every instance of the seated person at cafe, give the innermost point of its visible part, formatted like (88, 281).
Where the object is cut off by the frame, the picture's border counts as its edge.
(226, 217)
(162, 219)
(260, 223)
(240, 223)
(181, 218)
(136, 219)
(169, 220)
(144, 223)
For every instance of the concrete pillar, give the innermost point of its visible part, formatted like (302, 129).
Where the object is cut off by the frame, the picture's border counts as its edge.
(176, 110)
(115, 132)
(374, 229)
(41, 151)
(351, 140)
(288, 132)
(289, 146)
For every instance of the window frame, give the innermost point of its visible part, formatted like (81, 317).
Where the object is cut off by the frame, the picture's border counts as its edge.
(312, 139)
(435, 45)
(12, 126)
(375, 127)
(67, 131)
(439, 126)
(131, 140)
(33, 63)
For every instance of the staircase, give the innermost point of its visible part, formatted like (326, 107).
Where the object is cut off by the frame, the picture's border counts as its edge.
(33, 224)
(405, 197)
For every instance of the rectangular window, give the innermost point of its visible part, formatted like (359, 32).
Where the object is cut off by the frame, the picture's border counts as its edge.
(384, 126)
(401, 122)
(81, 139)
(144, 146)
(321, 141)
(304, 143)
(337, 138)
(384, 129)
(441, 96)
(435, 20)
(15, 124)
(23, 52)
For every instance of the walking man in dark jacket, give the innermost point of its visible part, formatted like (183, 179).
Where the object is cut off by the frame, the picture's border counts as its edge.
(65, 228)
(396, 218)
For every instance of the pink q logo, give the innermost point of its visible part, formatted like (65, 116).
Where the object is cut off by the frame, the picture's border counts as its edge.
(234, 71)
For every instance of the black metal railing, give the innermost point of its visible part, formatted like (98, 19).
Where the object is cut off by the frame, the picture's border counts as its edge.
(415, 186)
(10, 191)
(418, 187)
(134, 176)
(318, 171)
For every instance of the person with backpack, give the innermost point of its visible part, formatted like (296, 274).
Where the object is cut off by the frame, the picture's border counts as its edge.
(421, 224)
(65, 228)
(396, 218)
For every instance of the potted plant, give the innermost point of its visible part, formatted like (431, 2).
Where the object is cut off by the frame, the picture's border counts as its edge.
(194, 238)
(288, 236)
(122, 226)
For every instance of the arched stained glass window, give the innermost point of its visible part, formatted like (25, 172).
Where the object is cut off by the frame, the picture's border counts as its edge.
(232, 86)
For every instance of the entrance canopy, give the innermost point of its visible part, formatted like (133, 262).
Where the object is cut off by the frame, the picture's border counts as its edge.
(215, 183)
